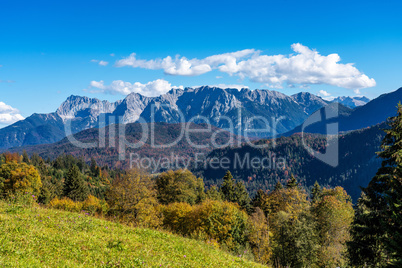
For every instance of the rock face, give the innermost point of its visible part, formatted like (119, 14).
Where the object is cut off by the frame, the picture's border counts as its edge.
(310, 102)
(245, 112)
(352, 102)
(83, 107)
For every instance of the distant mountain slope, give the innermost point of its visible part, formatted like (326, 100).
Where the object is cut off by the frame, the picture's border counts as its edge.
(164, 134)
(358, 162)
(351, 102)
(36, 129)
(374, 112)
(310, 102)
(223, 108)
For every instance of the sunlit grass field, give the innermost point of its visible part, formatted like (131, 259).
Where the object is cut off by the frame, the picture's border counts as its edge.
(39, 237)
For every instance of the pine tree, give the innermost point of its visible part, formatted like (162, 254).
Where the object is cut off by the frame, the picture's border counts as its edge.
(228, 188)
(292, 183)
(74, 185)
(25, 157)
(316, 192)
(95, 171)
(278, 186)
(241, 196)
(381, 210)
(365, 248)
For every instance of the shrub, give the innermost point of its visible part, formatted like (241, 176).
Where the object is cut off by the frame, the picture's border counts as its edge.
(66, 204)
(176, 217)
(223, 222)
(94, 205)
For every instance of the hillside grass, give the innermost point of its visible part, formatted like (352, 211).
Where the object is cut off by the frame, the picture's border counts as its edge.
(39, 237)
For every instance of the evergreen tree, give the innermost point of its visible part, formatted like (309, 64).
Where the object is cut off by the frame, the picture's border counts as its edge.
(292, 183)
(260, 200)
(365, 248)
(25, 157)
(74, 185)
(228, 187)
(95, 170)
(278, 186)
(241, 197)
(380, 209)
(316, 192)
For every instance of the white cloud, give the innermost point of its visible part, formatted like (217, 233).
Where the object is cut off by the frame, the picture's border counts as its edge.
(112, 54)
(100, 62)
(182, 65)
(8, 114)
(7, 81)
(324, 93)
(305, 67)
(224, 86)
(150, 89)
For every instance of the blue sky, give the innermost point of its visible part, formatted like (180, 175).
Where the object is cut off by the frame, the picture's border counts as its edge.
(47, 48)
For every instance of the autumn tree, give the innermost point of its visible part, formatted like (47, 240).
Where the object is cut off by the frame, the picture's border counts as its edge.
(260, 237)
(334, 215)
(132, 198)
(213, 194)
(179, 186)
(294, 242)
(19, 177)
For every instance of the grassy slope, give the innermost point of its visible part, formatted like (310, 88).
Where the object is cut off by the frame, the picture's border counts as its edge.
(38, 237)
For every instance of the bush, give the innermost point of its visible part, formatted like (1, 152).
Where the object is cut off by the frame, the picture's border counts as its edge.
(223, 222)
(176, 217)
(94, 205)
(66, 204)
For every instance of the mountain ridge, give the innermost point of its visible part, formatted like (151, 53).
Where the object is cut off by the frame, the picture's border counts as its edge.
(216, 105)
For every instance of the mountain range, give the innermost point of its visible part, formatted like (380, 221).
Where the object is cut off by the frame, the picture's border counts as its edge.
(351, 102)
(224, 108)
(374, 112)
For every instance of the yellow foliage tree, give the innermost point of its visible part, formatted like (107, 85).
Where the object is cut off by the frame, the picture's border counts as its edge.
(19, 177)
(334, 215)
(133, 199)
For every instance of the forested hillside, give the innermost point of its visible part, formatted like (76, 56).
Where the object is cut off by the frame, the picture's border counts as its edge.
(357, 161)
